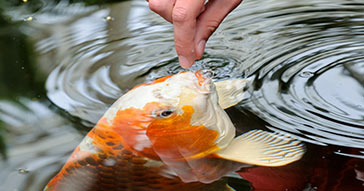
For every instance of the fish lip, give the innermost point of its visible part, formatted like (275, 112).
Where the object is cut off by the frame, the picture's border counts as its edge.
(204, 81)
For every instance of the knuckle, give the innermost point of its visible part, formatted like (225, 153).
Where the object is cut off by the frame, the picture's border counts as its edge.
(180, 14)
(156, 6)
(236, 2)
(211, 25)
(179, 47)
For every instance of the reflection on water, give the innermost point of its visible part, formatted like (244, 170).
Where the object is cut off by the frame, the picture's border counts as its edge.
(39, 142)
(306, 58)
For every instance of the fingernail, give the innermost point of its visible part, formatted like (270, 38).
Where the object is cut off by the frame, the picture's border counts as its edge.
(184, 62)
(200, 48)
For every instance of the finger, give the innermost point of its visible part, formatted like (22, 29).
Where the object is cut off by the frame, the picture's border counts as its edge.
(163, 8)
(210, 19)
(184, 17)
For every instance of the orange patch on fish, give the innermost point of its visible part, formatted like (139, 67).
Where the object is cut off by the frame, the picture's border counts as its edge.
(162, 79)
(131, 124)
(173, 137)
(176, 139)
(200, 77)
(105, 138)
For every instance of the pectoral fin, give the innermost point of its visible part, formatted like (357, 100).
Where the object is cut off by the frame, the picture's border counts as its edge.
(230, 92)
(263, 148)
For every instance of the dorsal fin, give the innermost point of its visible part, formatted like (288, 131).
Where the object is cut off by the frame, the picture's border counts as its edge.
(263, 148)
(230, 92)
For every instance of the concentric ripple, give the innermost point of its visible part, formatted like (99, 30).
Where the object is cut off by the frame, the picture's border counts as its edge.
(100, 59)
(310, 80)
(307, 59)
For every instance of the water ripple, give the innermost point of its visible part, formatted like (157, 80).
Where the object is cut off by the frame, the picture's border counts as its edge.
(306, 58)
(102, 60)
(310, 83)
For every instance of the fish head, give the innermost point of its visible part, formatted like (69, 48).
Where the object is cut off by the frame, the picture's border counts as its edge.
(172, 118)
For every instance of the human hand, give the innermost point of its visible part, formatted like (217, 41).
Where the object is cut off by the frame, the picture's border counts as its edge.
(193, 22)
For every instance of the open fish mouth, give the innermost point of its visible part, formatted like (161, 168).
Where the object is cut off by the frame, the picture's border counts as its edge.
(204, 79)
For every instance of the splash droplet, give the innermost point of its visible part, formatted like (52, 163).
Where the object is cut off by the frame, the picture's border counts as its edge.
(23, 171)
(305, 74)
(109, 18)
(29, 19)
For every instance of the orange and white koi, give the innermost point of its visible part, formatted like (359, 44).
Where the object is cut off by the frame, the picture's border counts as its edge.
(171, 134)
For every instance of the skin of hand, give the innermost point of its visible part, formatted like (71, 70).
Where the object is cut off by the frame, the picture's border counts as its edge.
(194, 21)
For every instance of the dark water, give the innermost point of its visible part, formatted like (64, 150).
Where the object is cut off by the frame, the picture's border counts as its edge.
(306, 59)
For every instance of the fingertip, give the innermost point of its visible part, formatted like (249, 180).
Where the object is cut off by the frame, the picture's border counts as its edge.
(200, 49)
(184, 62)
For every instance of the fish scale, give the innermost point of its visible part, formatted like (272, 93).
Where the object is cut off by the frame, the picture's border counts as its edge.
(129, 173)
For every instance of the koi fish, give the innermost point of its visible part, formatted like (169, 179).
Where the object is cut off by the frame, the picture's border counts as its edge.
(171, 134)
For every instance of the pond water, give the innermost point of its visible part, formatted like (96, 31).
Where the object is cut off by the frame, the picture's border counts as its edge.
(306, 59)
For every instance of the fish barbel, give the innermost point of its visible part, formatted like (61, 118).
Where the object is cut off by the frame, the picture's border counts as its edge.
(171, 134)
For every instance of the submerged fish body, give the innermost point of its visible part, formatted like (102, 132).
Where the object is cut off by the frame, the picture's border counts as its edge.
(171, 134)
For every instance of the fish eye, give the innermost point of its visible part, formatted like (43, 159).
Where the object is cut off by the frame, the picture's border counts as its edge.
(163, 112)
(166, 113)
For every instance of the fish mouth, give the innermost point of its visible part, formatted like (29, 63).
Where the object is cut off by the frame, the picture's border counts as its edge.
(204, 80)
(207, 73)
